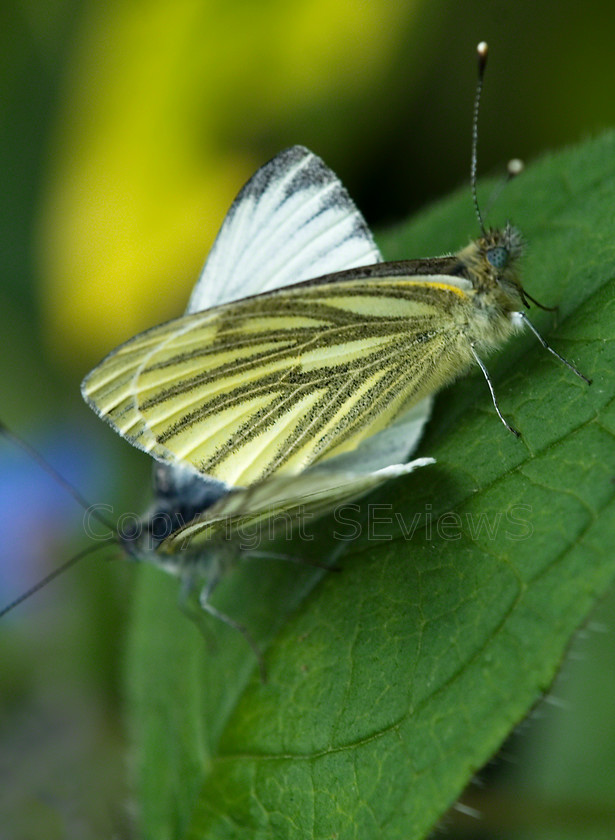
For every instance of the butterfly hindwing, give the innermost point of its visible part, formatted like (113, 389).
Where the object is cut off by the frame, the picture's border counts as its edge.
(272, 383)
(278, 500)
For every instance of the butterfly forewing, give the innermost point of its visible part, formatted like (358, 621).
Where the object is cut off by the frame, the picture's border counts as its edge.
(293, 220)
(273, 383)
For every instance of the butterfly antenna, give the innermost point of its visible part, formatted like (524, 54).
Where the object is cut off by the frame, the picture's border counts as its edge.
(514, 167)
(52, 575)
(47, 467)
(482, 50)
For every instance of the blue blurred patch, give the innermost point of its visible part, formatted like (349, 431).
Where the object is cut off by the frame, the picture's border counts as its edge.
(39, 521)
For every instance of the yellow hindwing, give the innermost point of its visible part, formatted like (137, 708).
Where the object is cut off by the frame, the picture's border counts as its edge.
(272, 383)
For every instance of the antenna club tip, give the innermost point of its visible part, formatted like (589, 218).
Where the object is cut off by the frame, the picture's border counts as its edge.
(515, 167)
(482, 50)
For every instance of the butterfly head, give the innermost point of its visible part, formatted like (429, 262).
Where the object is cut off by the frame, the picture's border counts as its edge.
(180, 496)
(492, 265)
(141, 537)
(502, 248)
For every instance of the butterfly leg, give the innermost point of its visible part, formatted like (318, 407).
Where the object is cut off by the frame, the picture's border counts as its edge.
(190, 600)
(548, 347)
(209, 608)
(481, 365)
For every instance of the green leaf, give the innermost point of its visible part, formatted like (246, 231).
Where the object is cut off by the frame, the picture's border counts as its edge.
(391, 682)
(569, 760)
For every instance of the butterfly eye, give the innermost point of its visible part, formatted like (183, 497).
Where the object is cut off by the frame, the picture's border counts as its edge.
(498, 257)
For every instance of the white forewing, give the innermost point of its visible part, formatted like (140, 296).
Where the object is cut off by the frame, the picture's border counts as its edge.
(292, 221)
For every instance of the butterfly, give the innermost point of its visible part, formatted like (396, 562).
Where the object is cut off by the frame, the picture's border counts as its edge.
(257, 388)
(216, 395)
(302, 373)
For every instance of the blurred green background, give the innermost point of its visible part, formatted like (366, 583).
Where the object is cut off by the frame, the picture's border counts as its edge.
(126, 130)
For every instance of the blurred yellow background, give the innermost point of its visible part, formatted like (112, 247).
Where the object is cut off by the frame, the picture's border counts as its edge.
(127, 128)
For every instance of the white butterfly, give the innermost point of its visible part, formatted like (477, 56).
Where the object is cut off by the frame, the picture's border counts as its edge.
(291, 222)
